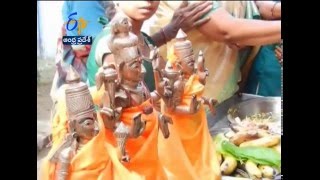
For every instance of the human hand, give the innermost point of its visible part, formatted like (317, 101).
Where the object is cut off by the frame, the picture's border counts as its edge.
(278, 53)
(187, 17)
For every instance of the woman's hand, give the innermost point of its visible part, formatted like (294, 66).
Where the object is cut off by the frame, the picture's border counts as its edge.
(278, 53)
(188, 16)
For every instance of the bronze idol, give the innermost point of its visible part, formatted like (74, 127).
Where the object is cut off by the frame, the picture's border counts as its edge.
(125, 88)
(178, 73)
(82, 122)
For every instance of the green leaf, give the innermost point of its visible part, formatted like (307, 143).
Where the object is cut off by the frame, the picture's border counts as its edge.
(259, 155)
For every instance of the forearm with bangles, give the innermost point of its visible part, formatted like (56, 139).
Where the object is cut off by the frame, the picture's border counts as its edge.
(164, 35)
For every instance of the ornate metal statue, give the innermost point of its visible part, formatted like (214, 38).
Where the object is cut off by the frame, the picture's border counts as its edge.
(178, 73)
(82, 123)
(125, 88)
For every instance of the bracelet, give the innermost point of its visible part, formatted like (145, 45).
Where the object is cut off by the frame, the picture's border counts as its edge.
(274, 6)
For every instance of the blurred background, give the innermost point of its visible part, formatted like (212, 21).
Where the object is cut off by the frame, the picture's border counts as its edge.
(49, 21)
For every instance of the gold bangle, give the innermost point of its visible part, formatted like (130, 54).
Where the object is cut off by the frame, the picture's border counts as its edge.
(272, 10)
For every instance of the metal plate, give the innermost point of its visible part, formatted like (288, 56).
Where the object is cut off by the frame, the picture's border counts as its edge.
(256, 106)
(246, 103)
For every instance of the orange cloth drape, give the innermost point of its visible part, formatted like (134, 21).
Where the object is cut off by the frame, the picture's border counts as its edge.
(143, 151)
(97, 160)
(189, 152)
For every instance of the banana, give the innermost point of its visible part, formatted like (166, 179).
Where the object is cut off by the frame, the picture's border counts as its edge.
(267, 141)
(229, 165)
(277, 148)
(253, 170)
(267, 171)
(243, 136)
